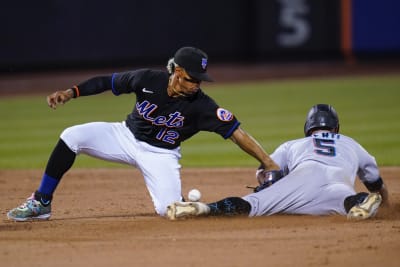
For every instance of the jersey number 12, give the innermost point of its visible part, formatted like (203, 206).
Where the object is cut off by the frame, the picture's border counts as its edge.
(167, 136)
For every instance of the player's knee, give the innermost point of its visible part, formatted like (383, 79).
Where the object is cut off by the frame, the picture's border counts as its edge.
(73, 138)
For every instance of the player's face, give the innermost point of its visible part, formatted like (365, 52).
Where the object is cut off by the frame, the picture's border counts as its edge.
(192, 80)
(188, 85)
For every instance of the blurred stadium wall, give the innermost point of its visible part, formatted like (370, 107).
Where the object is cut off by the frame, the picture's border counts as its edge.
(51, 34)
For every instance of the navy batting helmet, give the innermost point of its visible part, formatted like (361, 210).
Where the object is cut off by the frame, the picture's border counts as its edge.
(321, 116)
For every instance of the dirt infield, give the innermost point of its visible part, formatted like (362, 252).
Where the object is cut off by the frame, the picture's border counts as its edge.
(104, 217)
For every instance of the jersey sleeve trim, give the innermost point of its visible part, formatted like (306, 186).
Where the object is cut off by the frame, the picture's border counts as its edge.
(233, 128)
(113, 89)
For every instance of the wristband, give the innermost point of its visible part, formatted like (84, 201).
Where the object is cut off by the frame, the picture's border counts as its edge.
(75, 91)
(374, 186)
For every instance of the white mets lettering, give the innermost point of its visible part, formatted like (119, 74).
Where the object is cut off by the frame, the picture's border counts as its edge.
(174, 120)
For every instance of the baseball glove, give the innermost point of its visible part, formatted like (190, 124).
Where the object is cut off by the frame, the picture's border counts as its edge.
(267, 178)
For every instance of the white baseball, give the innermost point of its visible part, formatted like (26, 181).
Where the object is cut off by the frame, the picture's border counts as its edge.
(194, 195)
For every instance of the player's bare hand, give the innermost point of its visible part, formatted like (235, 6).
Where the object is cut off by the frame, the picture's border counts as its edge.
(59, 97)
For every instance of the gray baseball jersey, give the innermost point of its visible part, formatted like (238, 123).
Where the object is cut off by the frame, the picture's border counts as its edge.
(321, 171)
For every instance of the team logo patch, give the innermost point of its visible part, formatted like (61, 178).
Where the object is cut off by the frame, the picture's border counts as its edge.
(204, 63)
(224, 115)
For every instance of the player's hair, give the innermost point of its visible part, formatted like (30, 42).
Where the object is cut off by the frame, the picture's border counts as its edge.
(321, 116)
(171, 65)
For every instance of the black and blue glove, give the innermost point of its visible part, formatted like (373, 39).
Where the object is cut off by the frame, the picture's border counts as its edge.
(267, 178)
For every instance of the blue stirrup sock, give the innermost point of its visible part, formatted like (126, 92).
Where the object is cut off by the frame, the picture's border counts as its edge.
(59, 163)
(48, 185)
(44, 194)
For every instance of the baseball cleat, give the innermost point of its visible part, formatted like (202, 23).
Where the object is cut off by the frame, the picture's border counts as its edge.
(186, 209)
(367, 209)
(30, 210)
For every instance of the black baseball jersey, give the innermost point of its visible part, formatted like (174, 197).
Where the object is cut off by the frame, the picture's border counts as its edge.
(157, 118)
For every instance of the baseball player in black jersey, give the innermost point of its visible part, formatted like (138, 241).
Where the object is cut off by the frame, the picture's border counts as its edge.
(170, 108)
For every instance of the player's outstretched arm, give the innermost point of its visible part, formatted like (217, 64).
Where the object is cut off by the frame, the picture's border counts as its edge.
(59, 98)
(92, 86)
(253, 148)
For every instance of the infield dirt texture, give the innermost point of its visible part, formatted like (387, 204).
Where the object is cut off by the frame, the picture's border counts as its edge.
(104, 217)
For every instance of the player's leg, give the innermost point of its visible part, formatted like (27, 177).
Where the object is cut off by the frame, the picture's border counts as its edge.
(38, 205)
(161, 171)
(279, 197)
(102, 140)
(226, 207)
(285, 195)
(61, 160)
(230, 206)
(311, 188)
(97, 139)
